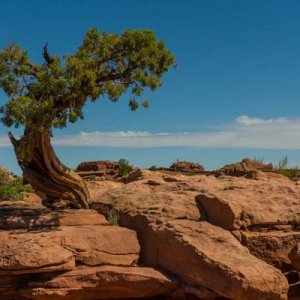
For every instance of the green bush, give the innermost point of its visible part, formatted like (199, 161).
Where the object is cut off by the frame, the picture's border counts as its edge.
(124, 166)
(12, 189)
(113, 217)
(153, 168)
(284, 169)
(290, 173)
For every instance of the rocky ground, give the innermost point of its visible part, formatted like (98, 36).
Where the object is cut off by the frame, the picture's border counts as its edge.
(176, 235)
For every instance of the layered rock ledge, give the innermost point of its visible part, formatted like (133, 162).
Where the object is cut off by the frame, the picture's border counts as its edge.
(179, 237)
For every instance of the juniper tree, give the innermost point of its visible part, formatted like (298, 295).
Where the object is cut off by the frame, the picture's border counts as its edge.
(52, 94)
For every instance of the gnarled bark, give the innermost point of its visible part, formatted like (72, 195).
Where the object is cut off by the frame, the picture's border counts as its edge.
(44, 171)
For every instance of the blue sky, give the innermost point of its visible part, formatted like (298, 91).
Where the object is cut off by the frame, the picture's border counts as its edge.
(235, 92)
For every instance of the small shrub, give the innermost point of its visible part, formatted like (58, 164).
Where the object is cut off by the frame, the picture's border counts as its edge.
(283, 163)
(124, 166)
(290, 173)
(153, 168)
(113, 217)
(12, 189)
(284, 169)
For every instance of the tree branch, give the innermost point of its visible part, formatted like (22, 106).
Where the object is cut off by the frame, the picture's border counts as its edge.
(49, 59)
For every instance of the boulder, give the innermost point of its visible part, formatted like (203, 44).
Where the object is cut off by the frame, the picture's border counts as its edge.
(101, 245)
(46, 241)
(187, 167)
(246, 168)
(105, 282)
(239, 203)
(272, 246)
(106, 170)
(206, 255)
(175, 237)
(24, 253)
(105, 166)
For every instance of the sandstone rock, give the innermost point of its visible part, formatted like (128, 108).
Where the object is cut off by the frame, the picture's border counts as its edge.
(101, 245)
(22, 253)
(27, 218)
(203, 254)
(143, 200)
(106, 282)
(244, 168)
(102, 165)
(133, 175)
(272, 247)
(295, 256)
(187, 167)
(240, 203)
(56, 250)
(106, 170)
(194, 251)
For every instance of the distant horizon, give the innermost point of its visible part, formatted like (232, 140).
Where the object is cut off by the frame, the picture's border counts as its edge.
(145, 158)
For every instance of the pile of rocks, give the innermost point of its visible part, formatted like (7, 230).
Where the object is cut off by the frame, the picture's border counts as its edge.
(106, 170)
(187, 167)
(179, 237)
(246, 168)
(72, 255)
(214, 233)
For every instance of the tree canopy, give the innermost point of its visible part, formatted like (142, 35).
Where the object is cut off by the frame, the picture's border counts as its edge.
(51, 94)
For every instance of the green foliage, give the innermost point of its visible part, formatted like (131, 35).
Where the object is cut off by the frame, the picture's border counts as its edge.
(53, 93)
(284, 169)
(283, 163)
(290, 172)
(12, 189)
(153, 168)
(113, 217)
(124, 166)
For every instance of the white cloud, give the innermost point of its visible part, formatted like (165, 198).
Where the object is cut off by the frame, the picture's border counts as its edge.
(281, 133)
(245, 120)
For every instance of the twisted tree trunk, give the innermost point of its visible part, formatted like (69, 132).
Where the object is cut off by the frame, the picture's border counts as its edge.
(44, 171)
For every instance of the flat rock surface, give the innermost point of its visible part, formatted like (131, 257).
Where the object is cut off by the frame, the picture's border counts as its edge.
(206, 255)
(29, 218)
(171, 214)
(242, 203)
(105, 282)
(229, 202)
(46, 251)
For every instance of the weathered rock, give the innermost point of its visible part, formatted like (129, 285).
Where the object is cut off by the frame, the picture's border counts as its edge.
(106, 170)
(294, 256)
(27, 218)
(141, 199)
(247, 168)
(240, 203)
(203, 254)
(56, 250)
(101, 245)
(101, 165)
(133, 175)
(187, 167)
(272, 247)
(22, 253)
(194, 251)
(106, 282)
